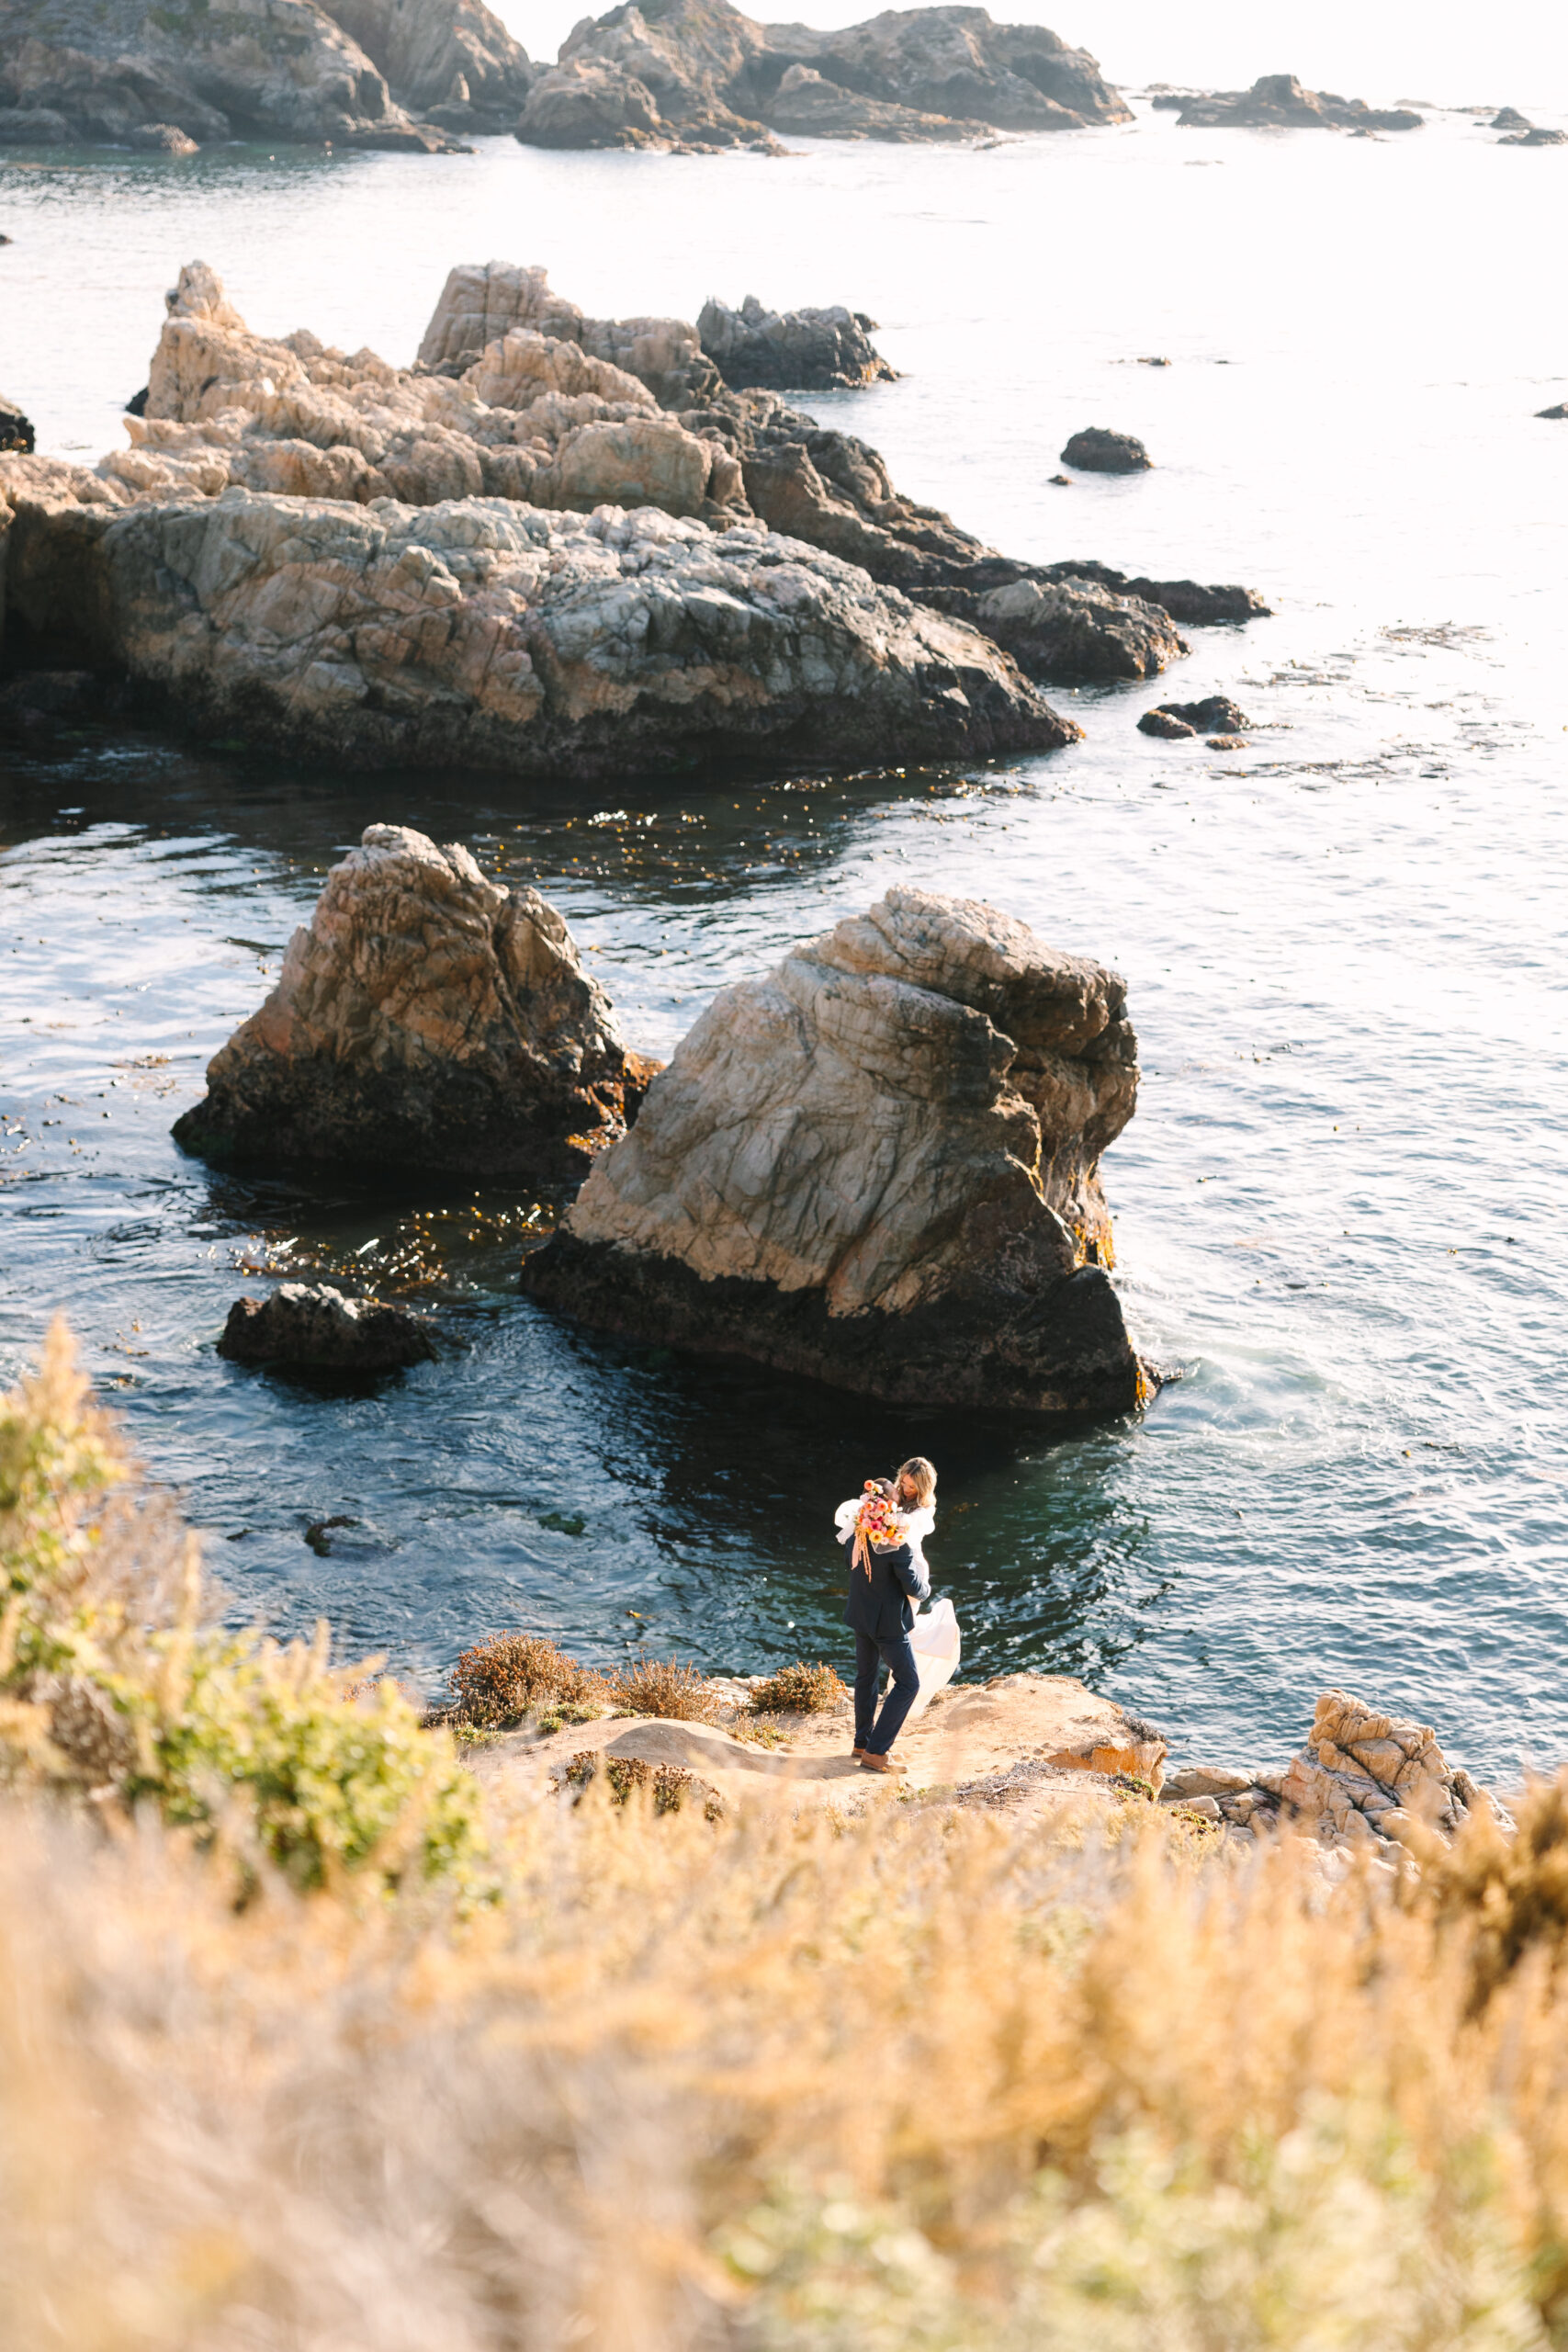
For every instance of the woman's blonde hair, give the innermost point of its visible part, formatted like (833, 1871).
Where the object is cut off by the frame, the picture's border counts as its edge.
(921, 1474)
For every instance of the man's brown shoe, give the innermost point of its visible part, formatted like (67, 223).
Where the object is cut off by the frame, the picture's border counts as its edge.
(859, 1754)
(872, 1763)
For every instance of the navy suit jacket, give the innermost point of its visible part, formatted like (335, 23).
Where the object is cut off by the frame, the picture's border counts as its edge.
(879, 1604)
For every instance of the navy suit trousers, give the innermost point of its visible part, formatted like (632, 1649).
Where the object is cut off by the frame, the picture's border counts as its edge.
(871, 1657)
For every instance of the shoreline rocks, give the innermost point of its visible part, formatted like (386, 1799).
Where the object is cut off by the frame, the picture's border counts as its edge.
(133, 74)
(1279, 101)
(697, 76)
(825, 350)
(879, 1165)
(312, 1327)
(426, 1019)
(1215, 715)
(16, 436)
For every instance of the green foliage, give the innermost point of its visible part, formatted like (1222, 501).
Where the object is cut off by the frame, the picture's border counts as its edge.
(111, 1683)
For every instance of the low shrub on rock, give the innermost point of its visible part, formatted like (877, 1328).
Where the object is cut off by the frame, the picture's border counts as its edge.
(799, 1690)
(664, 1687)
(499, 1683)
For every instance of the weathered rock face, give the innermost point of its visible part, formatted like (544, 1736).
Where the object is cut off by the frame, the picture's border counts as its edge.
(714, 77)
(1071, 628)
(1362, 1776)
(281, 68)
(451, 61)
(586, 103)
(500, 636)
(426, 1019)
(819, 351)
(811, 107)
(483, 302)
(1097, 451)
(16, 430)
(314, 1327)
(880, 1165)
(1279, 100)
(956, 62)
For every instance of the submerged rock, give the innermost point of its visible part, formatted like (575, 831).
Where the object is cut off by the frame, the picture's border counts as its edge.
(16, 430)
(801, 350)
(1279, 99)
(1097, 451)
(1216, 714)
(127, 72)
(1536, 136)
(426, 1019)
(879, 1165)
(1560, 411)
(314, 1327)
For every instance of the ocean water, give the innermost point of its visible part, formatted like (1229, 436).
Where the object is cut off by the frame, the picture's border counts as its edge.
(1339, 1209)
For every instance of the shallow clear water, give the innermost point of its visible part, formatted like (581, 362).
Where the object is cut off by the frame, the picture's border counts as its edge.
(1339, 1207)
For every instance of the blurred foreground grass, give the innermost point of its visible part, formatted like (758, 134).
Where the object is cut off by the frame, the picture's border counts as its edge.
(300, 2049)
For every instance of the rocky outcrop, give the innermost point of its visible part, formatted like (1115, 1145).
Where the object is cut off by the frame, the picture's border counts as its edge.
(1364, 1776)
(16, 430)
(817, 351)
(879, 1165)
(315, 1327)
(1560, 411)
(1278, 100)
(1536, 136)
(129, 71)
(425, 1019)
(698, 73)
(1215, 715)
(809, 106)
(1510, 119)
(1186, 601)
(1097, 451)
(483, 302)
(1072, 628)
(451, 61)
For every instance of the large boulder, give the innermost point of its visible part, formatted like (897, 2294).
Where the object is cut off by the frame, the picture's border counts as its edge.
(1097, 450)
(453, 60)
(809, 350)
(426, 1019)
(1074, 630)
(1279, 101)
(954, 63)
(312, 1327)
(114, 72)
(584, 102)
(879, 1165)
(490, 634)
(1363, 1776)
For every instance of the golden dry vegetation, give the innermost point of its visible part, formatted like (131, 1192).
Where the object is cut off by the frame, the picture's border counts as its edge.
(592, 2074)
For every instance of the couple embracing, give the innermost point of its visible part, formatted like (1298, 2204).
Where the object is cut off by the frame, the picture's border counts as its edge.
(886, 1528)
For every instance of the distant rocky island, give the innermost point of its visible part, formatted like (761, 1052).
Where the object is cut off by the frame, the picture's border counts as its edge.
(555, 546)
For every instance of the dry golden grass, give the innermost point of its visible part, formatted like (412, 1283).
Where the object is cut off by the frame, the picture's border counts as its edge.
(499, 1683)
(664, 1687)
(928, 2082)
(798, 1689)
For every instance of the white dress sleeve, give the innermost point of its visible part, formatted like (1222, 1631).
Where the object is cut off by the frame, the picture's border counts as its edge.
(844, 1516)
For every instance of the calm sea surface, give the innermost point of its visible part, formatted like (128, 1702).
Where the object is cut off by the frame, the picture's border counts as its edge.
(1340, 1207)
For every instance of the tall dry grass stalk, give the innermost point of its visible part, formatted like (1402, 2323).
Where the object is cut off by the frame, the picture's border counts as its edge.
(931, 2082)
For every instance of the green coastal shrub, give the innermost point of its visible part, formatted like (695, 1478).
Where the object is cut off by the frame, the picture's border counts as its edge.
(112, 1685)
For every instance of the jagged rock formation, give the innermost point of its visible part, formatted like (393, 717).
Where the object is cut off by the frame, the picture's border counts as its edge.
(1363, 1776)
(451, 61)
(1071, 628)
(1279, 100)
(697, 74)
(315, 1327)
(819, 350)
(879, 1165)
(1097, 451)
(131, 72)
(426, 1019)
(16, 430)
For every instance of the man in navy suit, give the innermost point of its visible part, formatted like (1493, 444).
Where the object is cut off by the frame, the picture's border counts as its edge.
(879, 1609)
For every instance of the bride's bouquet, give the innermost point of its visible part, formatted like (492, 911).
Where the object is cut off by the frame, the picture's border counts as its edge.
(876, 1521)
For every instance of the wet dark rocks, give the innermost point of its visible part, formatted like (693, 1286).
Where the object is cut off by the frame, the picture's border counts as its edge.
(1560, 411)
(1097, 451)
(1187, 601)
(314, 1327)
(1535, 137)
(1073, 629)
(1510, 119)
(1215, 715)
(807, 350)
(1279, 101)
(16, 436)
